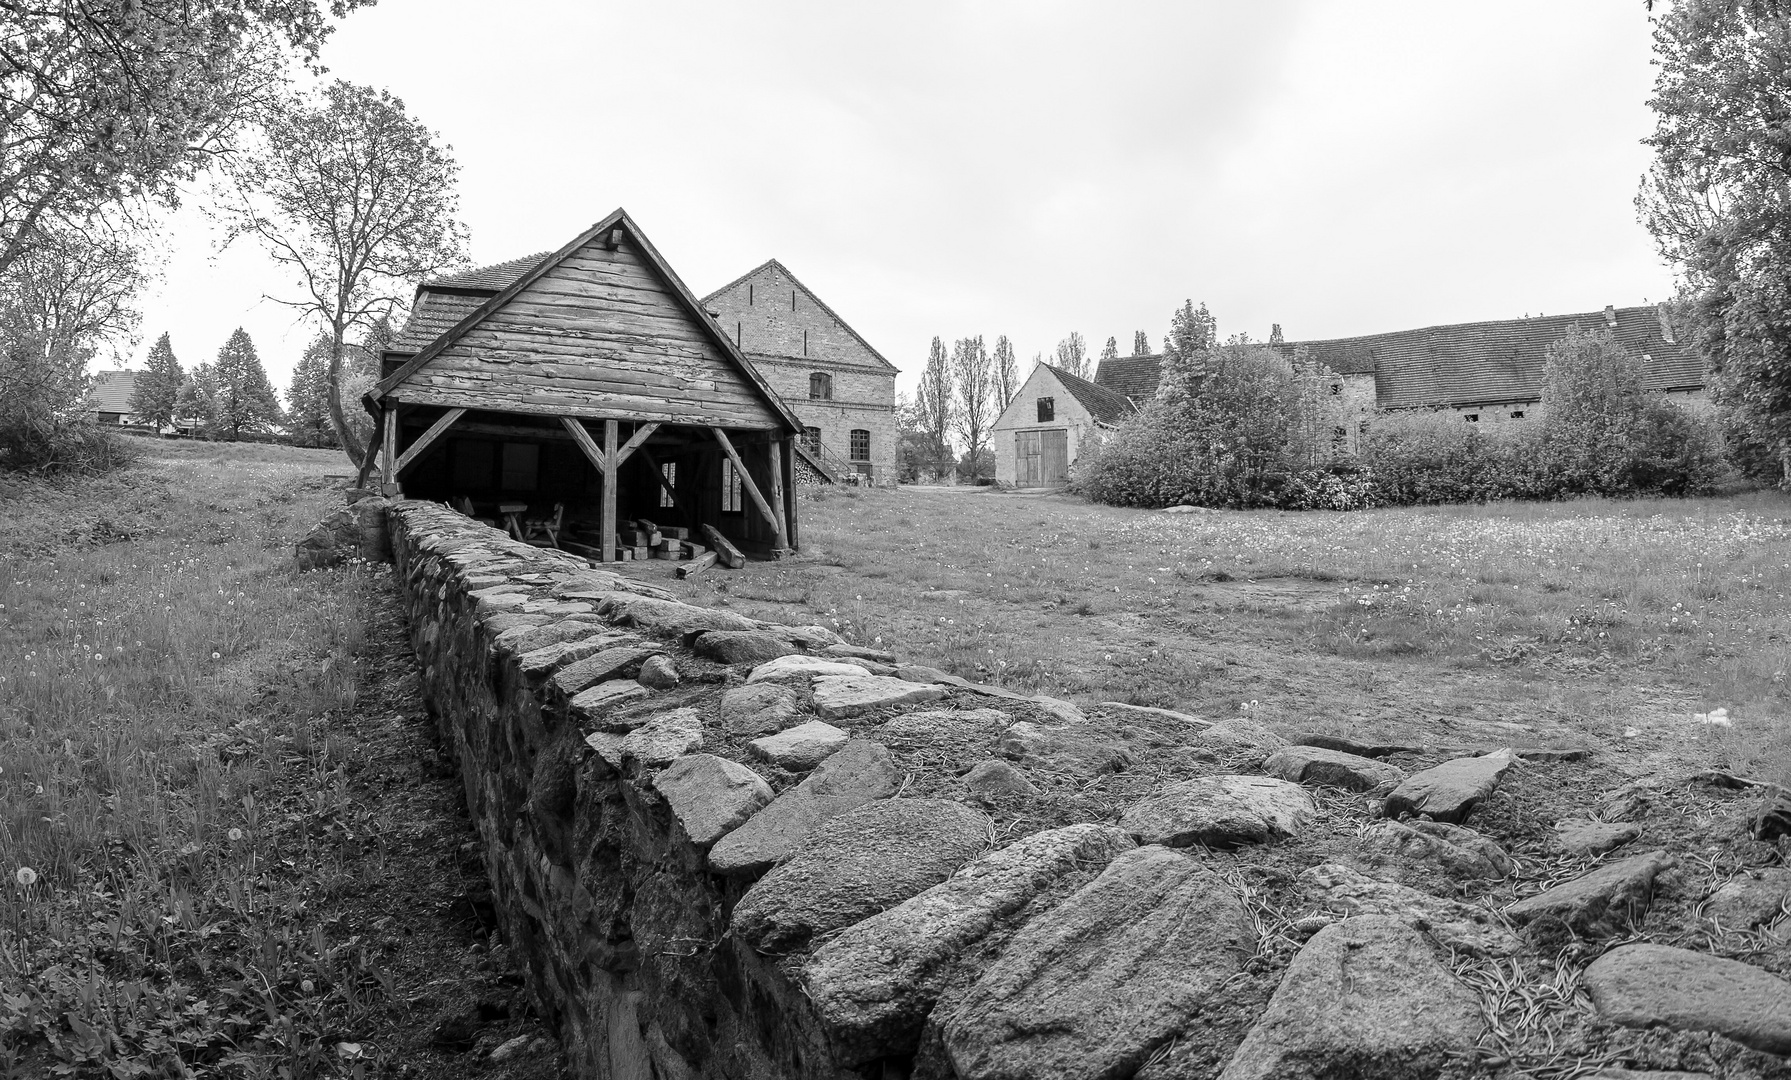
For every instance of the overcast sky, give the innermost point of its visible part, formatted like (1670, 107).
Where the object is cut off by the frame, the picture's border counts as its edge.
(1026, 168)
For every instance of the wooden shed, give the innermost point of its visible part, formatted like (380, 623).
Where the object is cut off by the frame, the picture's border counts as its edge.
(596, 383)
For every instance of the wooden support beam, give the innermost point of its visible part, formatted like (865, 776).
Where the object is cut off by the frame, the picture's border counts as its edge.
(746, 481)
(388, 457)
(415, 450)
(788, 466)
(370, 456)
(690, 515)
(774, 458)
(576, 428)
(635, 441)
(609, 490)
(724, 548)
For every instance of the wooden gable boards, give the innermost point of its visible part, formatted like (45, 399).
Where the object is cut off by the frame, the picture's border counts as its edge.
(600, 329)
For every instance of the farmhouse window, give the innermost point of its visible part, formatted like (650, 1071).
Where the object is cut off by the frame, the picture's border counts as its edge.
(1047, 409)
(730, 489)
(1336, 389)
(820, 386)
(670, 471)
(1517, 414)
(522, 464)
(861, 444)
(811, 438)
(1472, 418)
(749, 296)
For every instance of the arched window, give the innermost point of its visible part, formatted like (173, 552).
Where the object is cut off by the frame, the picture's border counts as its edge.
(861, 444)
(820, 386)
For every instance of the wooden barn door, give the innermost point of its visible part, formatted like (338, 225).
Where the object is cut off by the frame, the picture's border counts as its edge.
(1026, 459)
(1054, 457)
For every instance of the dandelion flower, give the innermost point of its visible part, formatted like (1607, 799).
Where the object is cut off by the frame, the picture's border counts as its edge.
(25, 876)
(234, 835)
(217, 656)
(307, 986)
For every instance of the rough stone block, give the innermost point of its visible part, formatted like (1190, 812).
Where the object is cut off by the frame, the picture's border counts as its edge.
(858, 773)
(711, 796)
(1647, 985)
(1220, 811)
(840, 697)
(800, 748)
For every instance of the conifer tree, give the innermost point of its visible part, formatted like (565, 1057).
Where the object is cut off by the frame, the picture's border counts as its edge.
(159, 386)
(242, 398)
(308, 399)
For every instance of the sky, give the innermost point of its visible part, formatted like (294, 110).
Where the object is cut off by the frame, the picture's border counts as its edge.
(1022, 167)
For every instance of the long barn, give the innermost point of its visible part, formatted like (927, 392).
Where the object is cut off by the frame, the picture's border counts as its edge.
(590, 388)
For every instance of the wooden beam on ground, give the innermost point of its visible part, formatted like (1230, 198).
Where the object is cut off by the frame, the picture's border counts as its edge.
(725, 550)
(678, 500)
(774, 458)
(609, 490)
(746, 481)
(388, 456)
(697, 565)
(635, 441)
(415, 450)
(576, 428)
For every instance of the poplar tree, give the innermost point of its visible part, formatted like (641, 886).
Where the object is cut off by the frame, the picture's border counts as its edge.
(1006, 372)
(158, 387)
(970, 366)
(1111, 350)
(1072, 355)
(934, 403)
(1140, 344)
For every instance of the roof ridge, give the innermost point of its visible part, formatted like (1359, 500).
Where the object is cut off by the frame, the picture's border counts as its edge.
(812, 295)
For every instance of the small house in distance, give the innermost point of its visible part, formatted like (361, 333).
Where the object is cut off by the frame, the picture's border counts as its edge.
(110, 396)
(841, 388)
(585, 386)
(1048, 423)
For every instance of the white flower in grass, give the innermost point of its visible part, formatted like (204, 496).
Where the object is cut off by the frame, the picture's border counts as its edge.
(26, 877)
(234, 835)
(217, 656)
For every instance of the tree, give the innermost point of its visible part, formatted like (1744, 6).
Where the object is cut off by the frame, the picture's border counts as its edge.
(1275, 337)
(106, 101)
(159, 385)
(1110, 351)
(355, 198)
(970, 368)
(360, 370)
(933, 403)
(1072, 355)
(1193, 333)
(1006, 373)
(1140, 344)
(308, 398)
(1716, 199)
(239, 396)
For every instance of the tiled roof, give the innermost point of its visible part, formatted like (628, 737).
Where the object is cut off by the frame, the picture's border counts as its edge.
(1476, 363)
(496, 277)
(1106, 406)
(1134, 376)
(433, 315)
(111, 391)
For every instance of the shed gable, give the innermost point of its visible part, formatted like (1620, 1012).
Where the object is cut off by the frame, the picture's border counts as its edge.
(600, 332)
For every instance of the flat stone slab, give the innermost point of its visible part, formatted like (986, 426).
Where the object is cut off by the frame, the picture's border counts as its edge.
(859, 652)
(945, 725)
(742, 646)
(538, 664)
(1752, 898)
(605, 696)
(711, 796)
(876, 983)
(1240, 743)
(800, 748)
(1096, 985)
(1365, 997)
(840, 697)
(1330, 768)
(616, 662)
(1647, 985)
(1220, 811)
(1352, 746)
(1083, 750)
(803, 667)
(1457, 925)
(758, 709)
(664, 738)
(1456, 849)
(996, 777)
(670, 616)
(1583, 837)
(1147, 712)
(1450, 791)
(1610, 900)
(858, 773)
(859, 863)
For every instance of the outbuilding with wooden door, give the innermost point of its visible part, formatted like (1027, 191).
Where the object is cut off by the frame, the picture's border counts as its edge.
(1048, 423)
(589, 389)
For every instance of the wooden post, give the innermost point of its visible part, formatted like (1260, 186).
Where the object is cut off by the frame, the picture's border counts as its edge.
(788, 465)
(370, 456)
(774, 458)
(780, 538)
(388, 459)
(415, 450)
(609, 491)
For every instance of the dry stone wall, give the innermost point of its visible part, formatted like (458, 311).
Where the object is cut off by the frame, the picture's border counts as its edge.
(730, 848)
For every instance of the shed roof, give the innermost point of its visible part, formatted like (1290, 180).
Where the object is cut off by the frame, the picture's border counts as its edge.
(1134, 376)
(493, 278)
(111, 390)
(633, 323)
(773, 264)
(1106, 406)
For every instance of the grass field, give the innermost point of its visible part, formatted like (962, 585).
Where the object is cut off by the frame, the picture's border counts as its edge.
(224, 852)
(1541, 623)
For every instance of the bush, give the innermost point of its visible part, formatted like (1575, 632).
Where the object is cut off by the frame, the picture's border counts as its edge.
(74, 448)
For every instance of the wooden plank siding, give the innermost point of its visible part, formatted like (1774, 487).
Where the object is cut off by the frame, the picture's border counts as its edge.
(598, 336)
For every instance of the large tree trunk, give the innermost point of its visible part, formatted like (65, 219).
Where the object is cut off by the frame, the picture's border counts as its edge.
(338, 420)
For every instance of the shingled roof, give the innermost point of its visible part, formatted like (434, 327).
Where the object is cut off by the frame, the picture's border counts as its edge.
(1134, 376)
(494, 278)
(111, 390)
(1106, 406)
(443, 301)
(1491, 362)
